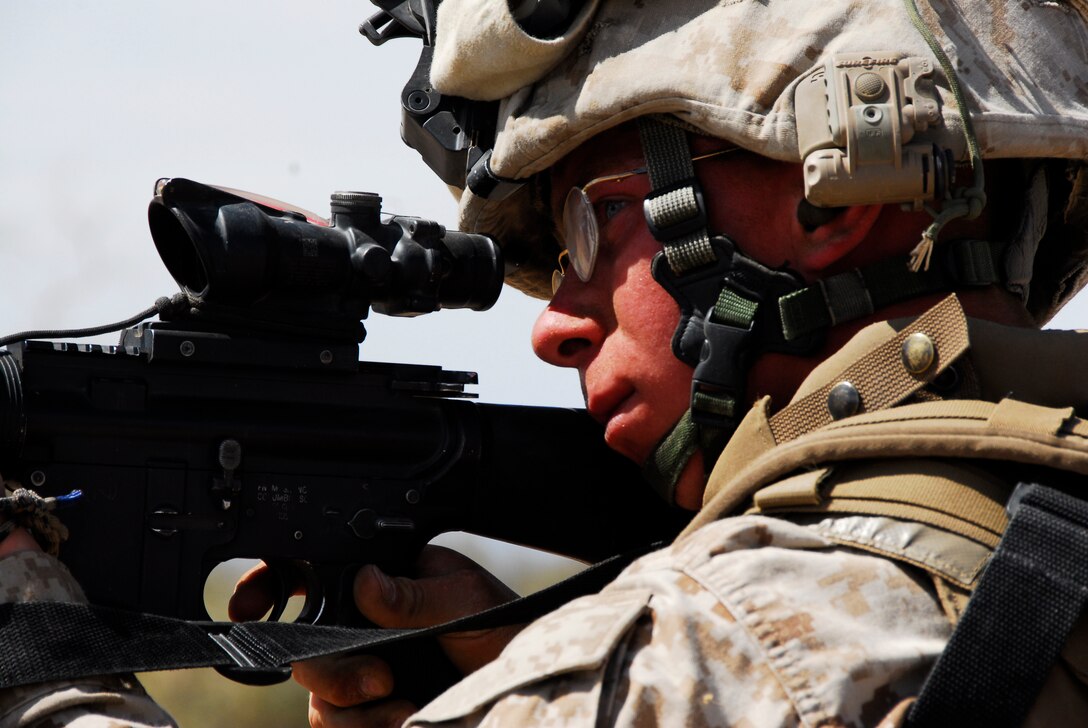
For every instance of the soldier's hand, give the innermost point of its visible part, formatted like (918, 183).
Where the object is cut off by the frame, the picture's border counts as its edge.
(448, 585)
(355, 690)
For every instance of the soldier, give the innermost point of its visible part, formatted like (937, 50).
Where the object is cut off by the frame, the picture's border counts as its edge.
(748, 219)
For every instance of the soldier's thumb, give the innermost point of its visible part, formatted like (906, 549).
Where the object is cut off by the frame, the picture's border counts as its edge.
(398, 602)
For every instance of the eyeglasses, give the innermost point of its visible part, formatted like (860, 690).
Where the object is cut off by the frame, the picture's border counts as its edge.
(581, 235)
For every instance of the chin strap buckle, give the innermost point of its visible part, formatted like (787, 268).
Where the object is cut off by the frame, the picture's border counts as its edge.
(717, 388)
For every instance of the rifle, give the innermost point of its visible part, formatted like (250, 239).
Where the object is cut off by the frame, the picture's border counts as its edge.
(244, 425)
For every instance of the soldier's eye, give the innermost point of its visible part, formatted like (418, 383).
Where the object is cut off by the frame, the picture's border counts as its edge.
(611, 208)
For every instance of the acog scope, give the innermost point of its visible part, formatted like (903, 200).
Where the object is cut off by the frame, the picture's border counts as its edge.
(234, 250)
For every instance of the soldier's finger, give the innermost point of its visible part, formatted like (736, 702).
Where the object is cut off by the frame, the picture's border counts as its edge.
(345, 681)
(258, 589)
(387, 714)
(450, 586)
(253, 594)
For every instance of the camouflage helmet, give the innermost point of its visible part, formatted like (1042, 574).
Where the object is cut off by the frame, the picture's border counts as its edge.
(790, 80)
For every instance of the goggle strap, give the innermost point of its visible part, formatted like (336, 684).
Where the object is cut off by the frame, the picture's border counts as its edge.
(668, 156)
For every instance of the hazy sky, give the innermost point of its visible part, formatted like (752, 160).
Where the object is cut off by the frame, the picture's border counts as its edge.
(98, 100)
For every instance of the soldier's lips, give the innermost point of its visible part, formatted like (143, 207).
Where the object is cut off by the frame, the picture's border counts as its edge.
(624, 422)
(603, 404)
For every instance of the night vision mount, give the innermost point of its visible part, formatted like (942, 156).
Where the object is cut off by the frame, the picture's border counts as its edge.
(454, 135)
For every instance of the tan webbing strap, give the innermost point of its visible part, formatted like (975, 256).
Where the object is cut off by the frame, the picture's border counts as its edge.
(800, 491)
(956, 497)
(956, 429)
(1009, 414)
(880, 384)
(911, 512)
(1075, 426)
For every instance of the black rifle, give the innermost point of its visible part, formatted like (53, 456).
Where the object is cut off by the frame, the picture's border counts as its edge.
(245, 426)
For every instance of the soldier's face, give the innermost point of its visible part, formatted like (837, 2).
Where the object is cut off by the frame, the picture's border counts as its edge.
(616, 328)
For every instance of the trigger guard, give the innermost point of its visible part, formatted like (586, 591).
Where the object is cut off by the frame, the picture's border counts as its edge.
(314, 605)
(258, 676)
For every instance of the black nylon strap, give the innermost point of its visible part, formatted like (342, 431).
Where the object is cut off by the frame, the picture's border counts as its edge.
(46, 641)
(1033, 590)
(859, 292)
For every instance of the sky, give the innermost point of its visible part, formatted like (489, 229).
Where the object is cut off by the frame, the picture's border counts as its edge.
(286, 99)
(283, 98)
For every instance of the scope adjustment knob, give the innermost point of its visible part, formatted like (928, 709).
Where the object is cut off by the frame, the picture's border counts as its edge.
(355, 202)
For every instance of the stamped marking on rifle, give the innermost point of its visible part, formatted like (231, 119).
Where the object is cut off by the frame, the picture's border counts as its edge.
(282, 498)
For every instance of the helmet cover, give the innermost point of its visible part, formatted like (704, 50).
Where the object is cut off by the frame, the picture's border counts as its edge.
(731, 69)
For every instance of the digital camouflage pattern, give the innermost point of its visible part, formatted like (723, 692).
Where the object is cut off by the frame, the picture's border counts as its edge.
(731, 68)
(751, 621)
(105, 702)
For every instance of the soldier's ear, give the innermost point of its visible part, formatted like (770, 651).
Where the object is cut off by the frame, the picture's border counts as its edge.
(830, 234)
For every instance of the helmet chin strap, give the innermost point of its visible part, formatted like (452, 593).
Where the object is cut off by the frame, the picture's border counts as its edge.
(728, 316)
(734, 309)
(723, 297)
(671, 456)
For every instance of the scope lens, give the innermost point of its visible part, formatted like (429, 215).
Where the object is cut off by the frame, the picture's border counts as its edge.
(476, 272)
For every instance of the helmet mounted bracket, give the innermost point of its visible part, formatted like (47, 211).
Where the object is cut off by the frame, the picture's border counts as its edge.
(453, 135)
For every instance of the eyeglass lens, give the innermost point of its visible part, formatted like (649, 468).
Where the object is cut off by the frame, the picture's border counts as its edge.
(580, 232)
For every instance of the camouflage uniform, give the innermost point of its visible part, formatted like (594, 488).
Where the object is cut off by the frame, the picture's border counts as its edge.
(832, 612)
(749, 621)
(105, 702)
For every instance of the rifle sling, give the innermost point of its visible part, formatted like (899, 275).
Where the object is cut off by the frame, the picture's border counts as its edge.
(47, 641)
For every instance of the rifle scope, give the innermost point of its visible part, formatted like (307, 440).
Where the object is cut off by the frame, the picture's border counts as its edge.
(231, 248)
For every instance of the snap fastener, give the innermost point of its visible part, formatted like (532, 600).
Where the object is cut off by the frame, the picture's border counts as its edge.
(843, 400)
(919, 353)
